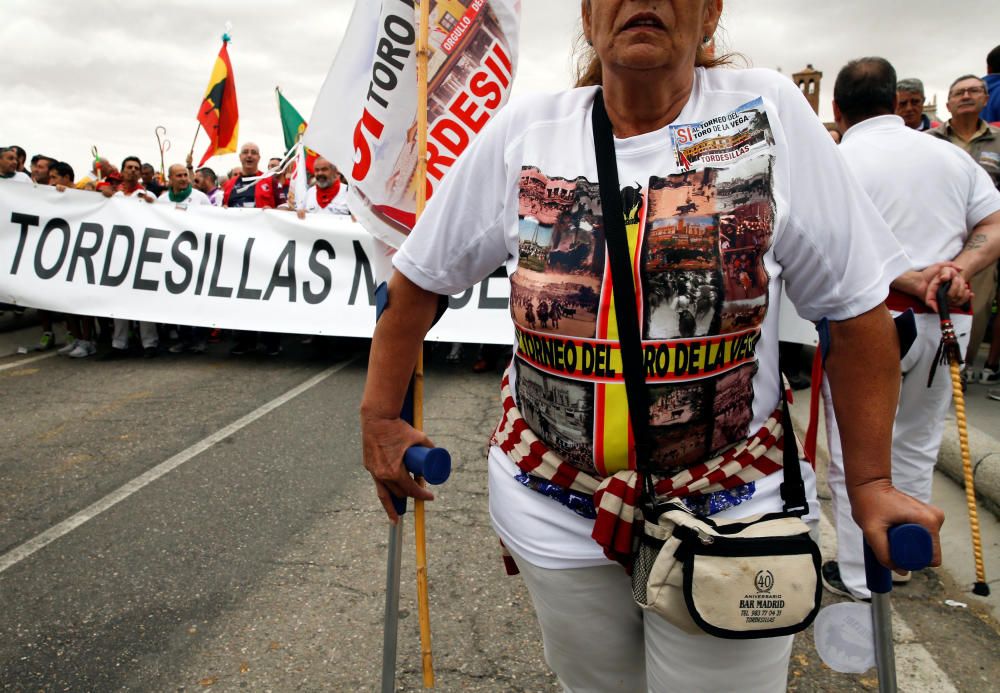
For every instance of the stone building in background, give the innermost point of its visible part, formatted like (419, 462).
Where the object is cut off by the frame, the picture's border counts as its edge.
(808, 81)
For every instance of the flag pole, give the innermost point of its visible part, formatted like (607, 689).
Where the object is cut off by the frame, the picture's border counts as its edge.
(423, 606)
(277, 100)
(196, 131)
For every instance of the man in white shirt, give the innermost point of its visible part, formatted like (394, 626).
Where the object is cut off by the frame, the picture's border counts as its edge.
(179, 190)
(945, 212)
(8, 166)
(182, 194)
(40, 168)
(330, 193)
(80, 328)
(131, 185)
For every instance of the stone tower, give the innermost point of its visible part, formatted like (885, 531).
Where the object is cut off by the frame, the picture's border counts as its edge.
(808, 80)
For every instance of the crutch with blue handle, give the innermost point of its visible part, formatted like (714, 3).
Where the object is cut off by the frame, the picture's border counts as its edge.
(911, 548)
(434, 465)
(851, 637)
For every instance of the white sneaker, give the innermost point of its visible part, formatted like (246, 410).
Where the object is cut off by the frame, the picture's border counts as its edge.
(990, 376)
(83, 350)
(68, 348)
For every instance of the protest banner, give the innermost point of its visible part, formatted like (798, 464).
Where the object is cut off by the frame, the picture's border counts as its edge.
(471, 69)
(250, 269)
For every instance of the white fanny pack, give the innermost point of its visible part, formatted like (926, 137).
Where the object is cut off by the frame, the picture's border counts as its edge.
(752, 578)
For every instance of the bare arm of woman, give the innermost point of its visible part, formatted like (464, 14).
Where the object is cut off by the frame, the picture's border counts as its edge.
(863, 371)
(398, 339)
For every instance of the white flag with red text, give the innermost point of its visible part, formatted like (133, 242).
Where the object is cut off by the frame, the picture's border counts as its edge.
(365, 118)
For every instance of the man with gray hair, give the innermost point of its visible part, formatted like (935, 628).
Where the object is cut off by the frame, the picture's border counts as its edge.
(240, 190)
(910, 104)
(967, 97)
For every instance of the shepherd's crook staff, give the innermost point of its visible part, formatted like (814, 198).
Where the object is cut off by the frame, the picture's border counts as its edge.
(423, 606)
(950, 353)
(164, 145)
(97, 163)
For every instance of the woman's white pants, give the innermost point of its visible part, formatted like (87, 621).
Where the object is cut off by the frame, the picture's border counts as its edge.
(597, 640)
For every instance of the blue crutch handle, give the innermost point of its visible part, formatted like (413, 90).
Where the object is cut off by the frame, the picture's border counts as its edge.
(433, 464)
(910, 547)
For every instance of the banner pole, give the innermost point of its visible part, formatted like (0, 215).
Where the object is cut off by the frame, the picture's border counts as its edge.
(423, 604)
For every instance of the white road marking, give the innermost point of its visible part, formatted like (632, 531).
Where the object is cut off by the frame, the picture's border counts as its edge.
(24, 362)
(19, 553)
(916, 669)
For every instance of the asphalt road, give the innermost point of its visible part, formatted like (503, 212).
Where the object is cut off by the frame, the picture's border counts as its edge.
(257, 561)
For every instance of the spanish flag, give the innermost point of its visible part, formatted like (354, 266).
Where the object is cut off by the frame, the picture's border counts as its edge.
(219, 114)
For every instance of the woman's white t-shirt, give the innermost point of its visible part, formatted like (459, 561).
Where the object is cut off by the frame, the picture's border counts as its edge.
(743, 191)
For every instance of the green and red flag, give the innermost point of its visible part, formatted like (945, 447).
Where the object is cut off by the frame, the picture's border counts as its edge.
(219, 114)
(293, 126)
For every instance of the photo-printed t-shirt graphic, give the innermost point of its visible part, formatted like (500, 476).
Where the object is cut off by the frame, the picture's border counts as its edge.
(697, 234)
(724, 208)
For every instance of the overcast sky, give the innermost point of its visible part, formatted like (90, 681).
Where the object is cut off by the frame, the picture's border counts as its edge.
(105, 73)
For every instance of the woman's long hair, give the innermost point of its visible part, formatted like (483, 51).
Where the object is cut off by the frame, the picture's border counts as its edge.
(588, 64)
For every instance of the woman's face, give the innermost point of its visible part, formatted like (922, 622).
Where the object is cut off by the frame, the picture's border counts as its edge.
(649, 34)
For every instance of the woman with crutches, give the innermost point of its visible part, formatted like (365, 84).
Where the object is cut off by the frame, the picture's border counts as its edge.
(571, 448)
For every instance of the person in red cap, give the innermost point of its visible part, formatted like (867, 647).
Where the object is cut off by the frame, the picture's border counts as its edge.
(112, 178)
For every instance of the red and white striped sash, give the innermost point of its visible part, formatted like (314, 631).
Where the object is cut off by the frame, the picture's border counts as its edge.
(616, 497)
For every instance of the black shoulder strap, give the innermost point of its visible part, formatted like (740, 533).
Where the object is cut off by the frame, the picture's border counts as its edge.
(620, 263)
(793, 489)
(629, 336)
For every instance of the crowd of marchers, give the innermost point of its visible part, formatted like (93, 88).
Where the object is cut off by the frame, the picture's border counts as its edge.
(974, 125)
(183, 186)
